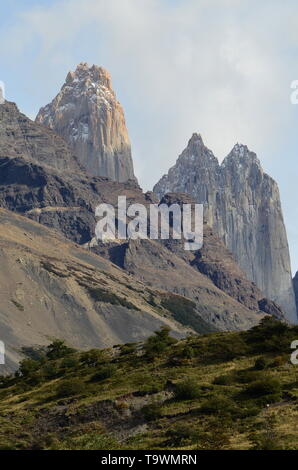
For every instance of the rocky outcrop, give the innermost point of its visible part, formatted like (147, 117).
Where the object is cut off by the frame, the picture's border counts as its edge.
(155, 265)
(88, 116)
(242, 205)
(22, 138)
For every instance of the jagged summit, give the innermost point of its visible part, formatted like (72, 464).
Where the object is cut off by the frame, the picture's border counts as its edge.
(88, 116)
(196, 139)
(239, 155)
(96, 73)
(242, 203)
(197, 150)
(196, 157)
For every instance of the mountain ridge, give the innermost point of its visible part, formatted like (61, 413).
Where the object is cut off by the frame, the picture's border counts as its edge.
(242, 204)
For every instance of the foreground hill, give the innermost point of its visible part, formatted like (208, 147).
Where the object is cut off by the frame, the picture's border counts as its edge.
(217, 391)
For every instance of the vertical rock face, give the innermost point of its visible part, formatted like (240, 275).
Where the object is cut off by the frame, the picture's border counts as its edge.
(242, 204)
(295, 286)
(88, 116)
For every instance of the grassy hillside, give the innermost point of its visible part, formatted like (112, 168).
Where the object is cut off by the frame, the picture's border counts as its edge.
(217, 391)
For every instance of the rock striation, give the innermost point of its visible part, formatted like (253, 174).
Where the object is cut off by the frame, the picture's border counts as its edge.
(242, 204)
(88, 116)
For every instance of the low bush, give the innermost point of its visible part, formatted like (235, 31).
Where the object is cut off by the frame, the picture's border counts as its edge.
(219, 405)
(104, 372)
(152, 412)
(247, 376)
(28, 367)
(70, 387)
(94, 357)
(184, 311)
(69, 362)
(261, 364)
(187, 390)
(223, 380)
(182, 435)
(267, 386)
(101, 295)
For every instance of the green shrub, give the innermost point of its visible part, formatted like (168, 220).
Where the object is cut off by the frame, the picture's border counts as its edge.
(70, 387)
(129, 348)
(28, 367)
(50, 370)
(35, 378)
(157, 344)
(188, 352)
(182, 435)
(187, 390)
(247, 376)
(105, 372)
(152, 412)
(227, 349)
(223, 380)
(216, 437)
(268, 439)
(265, 443)
(267, 386)
(69, 362)
(261, 364)
(101, 295)
(184, 311)
(58, 349)
(219, 406)
(270, 335)
(94, 357)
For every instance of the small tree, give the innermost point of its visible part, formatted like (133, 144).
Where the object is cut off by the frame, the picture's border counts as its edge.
(28, 367)
(58, 349)
(157, 344)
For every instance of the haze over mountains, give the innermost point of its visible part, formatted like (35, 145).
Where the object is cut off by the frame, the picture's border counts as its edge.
(55, 171)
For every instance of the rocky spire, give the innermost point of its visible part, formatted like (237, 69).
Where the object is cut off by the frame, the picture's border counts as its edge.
(87, 114)
(242, 204)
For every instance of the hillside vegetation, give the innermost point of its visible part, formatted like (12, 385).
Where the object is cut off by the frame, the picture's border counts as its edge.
(234, 390)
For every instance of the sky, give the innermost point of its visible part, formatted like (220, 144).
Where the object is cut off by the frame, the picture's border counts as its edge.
(222, 68)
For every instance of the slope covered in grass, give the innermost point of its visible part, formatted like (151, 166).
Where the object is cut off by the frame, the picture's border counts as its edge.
(217, 391)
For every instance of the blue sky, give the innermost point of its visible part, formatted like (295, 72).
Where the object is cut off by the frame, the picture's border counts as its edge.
(219, 67)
